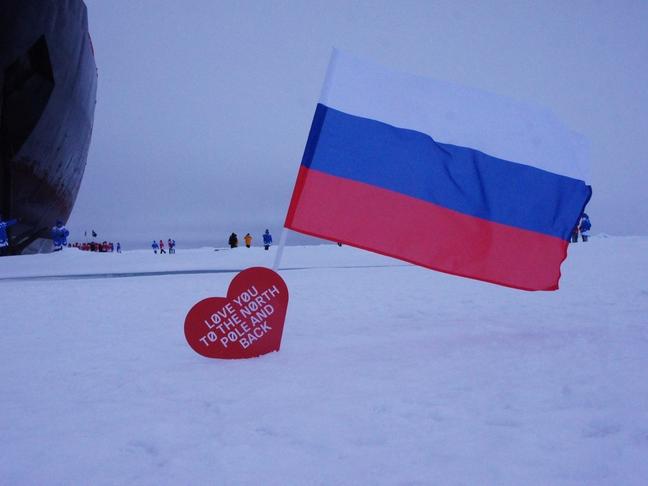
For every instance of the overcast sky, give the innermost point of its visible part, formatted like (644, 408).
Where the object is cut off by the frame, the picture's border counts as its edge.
(204, 106)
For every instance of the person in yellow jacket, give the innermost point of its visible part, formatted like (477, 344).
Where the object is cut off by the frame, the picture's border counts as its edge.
(248, 240)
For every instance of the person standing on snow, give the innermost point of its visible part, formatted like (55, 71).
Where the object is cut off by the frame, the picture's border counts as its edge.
(585, 227)
(118, 247)
(248, 240)
(574, 235)
(267, 239)
(59, 235)
(162, 247)
(4, 238)
(155, 246)
(233, 240)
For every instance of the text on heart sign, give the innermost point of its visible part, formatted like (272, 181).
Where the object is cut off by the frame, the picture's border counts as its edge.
(242, 320)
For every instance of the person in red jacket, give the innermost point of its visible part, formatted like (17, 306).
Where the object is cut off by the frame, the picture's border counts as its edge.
(162, 247)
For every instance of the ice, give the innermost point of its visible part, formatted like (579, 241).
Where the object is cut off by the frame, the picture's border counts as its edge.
(388, 373)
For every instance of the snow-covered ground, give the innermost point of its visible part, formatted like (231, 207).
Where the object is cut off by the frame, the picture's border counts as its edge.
(388, 373)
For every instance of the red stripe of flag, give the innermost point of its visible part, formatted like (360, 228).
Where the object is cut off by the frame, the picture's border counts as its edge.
(423, 233)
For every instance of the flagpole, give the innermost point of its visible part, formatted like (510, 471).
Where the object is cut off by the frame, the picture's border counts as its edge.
(280, 247)
(323, 97)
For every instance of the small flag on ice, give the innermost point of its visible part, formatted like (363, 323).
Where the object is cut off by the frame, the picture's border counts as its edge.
(443, 176)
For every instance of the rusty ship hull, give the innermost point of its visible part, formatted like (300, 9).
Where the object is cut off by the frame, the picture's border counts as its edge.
(48, 86)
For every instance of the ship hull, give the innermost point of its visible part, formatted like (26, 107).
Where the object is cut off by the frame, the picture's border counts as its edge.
(48, 84)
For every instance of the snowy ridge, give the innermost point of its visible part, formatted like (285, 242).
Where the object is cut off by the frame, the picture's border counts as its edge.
(388, 374)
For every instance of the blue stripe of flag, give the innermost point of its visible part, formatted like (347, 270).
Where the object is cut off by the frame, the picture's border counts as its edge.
(455, 177)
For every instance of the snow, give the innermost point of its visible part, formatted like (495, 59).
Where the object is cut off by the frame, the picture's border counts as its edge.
(388, 373)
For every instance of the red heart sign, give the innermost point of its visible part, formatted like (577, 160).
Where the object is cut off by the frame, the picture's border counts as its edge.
(245, 324)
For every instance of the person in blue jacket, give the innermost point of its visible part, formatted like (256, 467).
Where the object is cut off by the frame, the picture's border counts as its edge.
(59, 235)
(155, 246)
(585, 227)
(4, 238)
(267, 239)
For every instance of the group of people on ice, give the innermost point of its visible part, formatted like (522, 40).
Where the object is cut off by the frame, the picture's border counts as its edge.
(171, 244)
(267, 240)
(583, 226)
(59, 236)
(103, 247)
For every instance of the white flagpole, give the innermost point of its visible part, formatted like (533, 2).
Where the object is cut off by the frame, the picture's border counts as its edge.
(280, 247)
(323, 96)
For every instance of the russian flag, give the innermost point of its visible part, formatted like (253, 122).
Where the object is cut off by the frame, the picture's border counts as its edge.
(439, 175)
